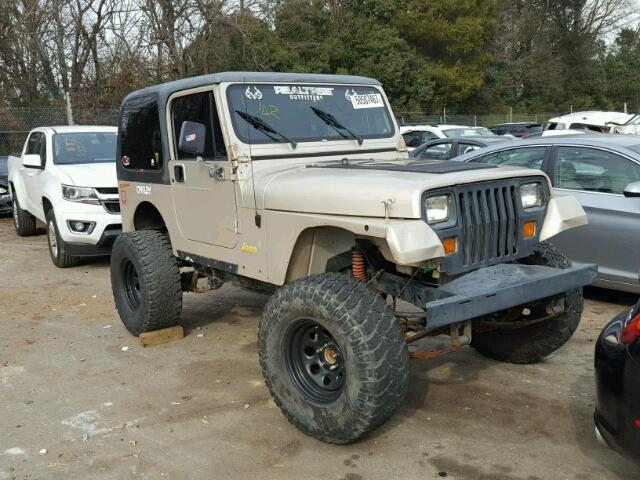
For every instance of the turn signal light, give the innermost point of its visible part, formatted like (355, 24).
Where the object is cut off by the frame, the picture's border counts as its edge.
(450, 245)
(529, 229)
(632, 331)
(637, 422)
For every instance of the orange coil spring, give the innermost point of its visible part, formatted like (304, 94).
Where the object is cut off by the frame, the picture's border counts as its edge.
(358, 268)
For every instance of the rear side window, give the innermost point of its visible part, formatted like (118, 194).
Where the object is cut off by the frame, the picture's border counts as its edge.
(201, 108)
(530, 157)
(412, 139)
(140, 139)
(592, 170)
(439, 151)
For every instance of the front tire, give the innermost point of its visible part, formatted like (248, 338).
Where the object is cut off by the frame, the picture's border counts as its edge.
(333, 357)
(57, 246)
(145, 279)
(535, 343)
(23, 221)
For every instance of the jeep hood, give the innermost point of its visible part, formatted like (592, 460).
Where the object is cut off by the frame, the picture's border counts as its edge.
(90, 174)
(361, 188)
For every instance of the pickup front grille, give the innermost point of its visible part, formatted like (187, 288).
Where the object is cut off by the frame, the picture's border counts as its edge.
(489, 220)
(107, 190)
(111, 206)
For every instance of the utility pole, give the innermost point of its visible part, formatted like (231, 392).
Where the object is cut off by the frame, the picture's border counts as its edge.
(69, 111)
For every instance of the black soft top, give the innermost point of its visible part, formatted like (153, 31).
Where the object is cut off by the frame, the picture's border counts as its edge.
(164, 90)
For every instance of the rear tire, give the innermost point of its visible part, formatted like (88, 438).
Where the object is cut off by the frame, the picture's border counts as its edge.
(145, 279)
(333, 357)
(536, 342)
(23, 221)
(57, 246)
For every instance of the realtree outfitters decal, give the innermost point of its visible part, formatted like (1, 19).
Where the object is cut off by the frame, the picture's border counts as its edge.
(295, 92)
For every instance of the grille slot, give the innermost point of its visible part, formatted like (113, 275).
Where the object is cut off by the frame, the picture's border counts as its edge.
(107, 190)
(111, 206)
(489, 221)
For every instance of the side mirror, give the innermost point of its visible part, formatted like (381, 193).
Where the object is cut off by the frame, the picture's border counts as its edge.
(632, 190)
(192, 137)
(32, 160)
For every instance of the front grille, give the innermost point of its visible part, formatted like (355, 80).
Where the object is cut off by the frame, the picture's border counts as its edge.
(489, 223)
(112, 206)
(108, 190)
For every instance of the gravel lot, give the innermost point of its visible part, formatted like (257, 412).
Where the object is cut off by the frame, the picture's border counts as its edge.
(75, 405)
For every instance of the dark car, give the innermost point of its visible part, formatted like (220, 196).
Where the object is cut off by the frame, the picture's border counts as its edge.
(617, 367)
(517, 129)
(603, 173)
(5, 198)
(447, 148)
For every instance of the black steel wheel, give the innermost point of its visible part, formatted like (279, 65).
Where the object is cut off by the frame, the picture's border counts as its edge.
(333, 356)
(131, 284)
(315, 361)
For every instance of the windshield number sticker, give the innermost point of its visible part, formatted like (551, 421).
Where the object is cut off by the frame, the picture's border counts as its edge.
(295, 92)
(367, 100)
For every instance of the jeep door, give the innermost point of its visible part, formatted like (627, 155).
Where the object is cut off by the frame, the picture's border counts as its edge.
(597, 178)
(203, 193)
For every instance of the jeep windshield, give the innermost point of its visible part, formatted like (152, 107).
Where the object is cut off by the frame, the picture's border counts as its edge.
(307, 113)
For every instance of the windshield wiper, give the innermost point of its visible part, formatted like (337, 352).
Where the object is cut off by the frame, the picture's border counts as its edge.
(335, 124)
(259, 124)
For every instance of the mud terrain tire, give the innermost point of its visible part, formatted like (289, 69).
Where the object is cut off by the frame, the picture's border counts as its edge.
(535, 343)
(145, 279)
(354, 327)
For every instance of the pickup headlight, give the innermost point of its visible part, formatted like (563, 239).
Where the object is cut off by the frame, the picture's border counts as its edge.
(532, 195)
(438, 208)
(80, 194)
(3, 191)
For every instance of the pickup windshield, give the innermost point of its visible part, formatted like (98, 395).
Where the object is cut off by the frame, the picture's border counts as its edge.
(307, 113)
(76, 148)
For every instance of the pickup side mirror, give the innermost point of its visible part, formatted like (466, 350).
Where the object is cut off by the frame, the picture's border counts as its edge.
(32, 160)
(192, 137)
(632, 190)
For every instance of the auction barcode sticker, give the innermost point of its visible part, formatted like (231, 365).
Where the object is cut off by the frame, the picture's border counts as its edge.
(369, 100)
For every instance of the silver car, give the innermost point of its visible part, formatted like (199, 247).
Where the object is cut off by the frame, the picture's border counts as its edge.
(603, 173)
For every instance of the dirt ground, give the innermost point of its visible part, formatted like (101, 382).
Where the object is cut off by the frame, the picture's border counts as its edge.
(74, 403)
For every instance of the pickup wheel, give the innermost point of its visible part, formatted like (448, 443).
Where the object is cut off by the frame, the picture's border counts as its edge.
(145, 279)
(333, 357)
(536, 342)
(57, 247)
(23, 221)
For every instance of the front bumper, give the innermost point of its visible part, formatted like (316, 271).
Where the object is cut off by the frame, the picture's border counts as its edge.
(100, 240)
(488, 290)
(5, 204)
(498, 287)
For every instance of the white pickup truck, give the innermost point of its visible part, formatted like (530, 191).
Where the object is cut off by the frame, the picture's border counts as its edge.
(66, 178)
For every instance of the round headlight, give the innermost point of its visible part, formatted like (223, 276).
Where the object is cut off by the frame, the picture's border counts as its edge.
(438, 208)
(532, 195)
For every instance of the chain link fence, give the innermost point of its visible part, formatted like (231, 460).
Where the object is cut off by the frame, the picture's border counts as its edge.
(470, 119)
(15, 123)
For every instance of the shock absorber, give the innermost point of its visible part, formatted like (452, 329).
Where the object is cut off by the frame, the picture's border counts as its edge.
(358, 267)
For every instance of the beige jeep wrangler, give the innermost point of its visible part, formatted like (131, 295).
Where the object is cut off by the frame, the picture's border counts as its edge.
(300, 185)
